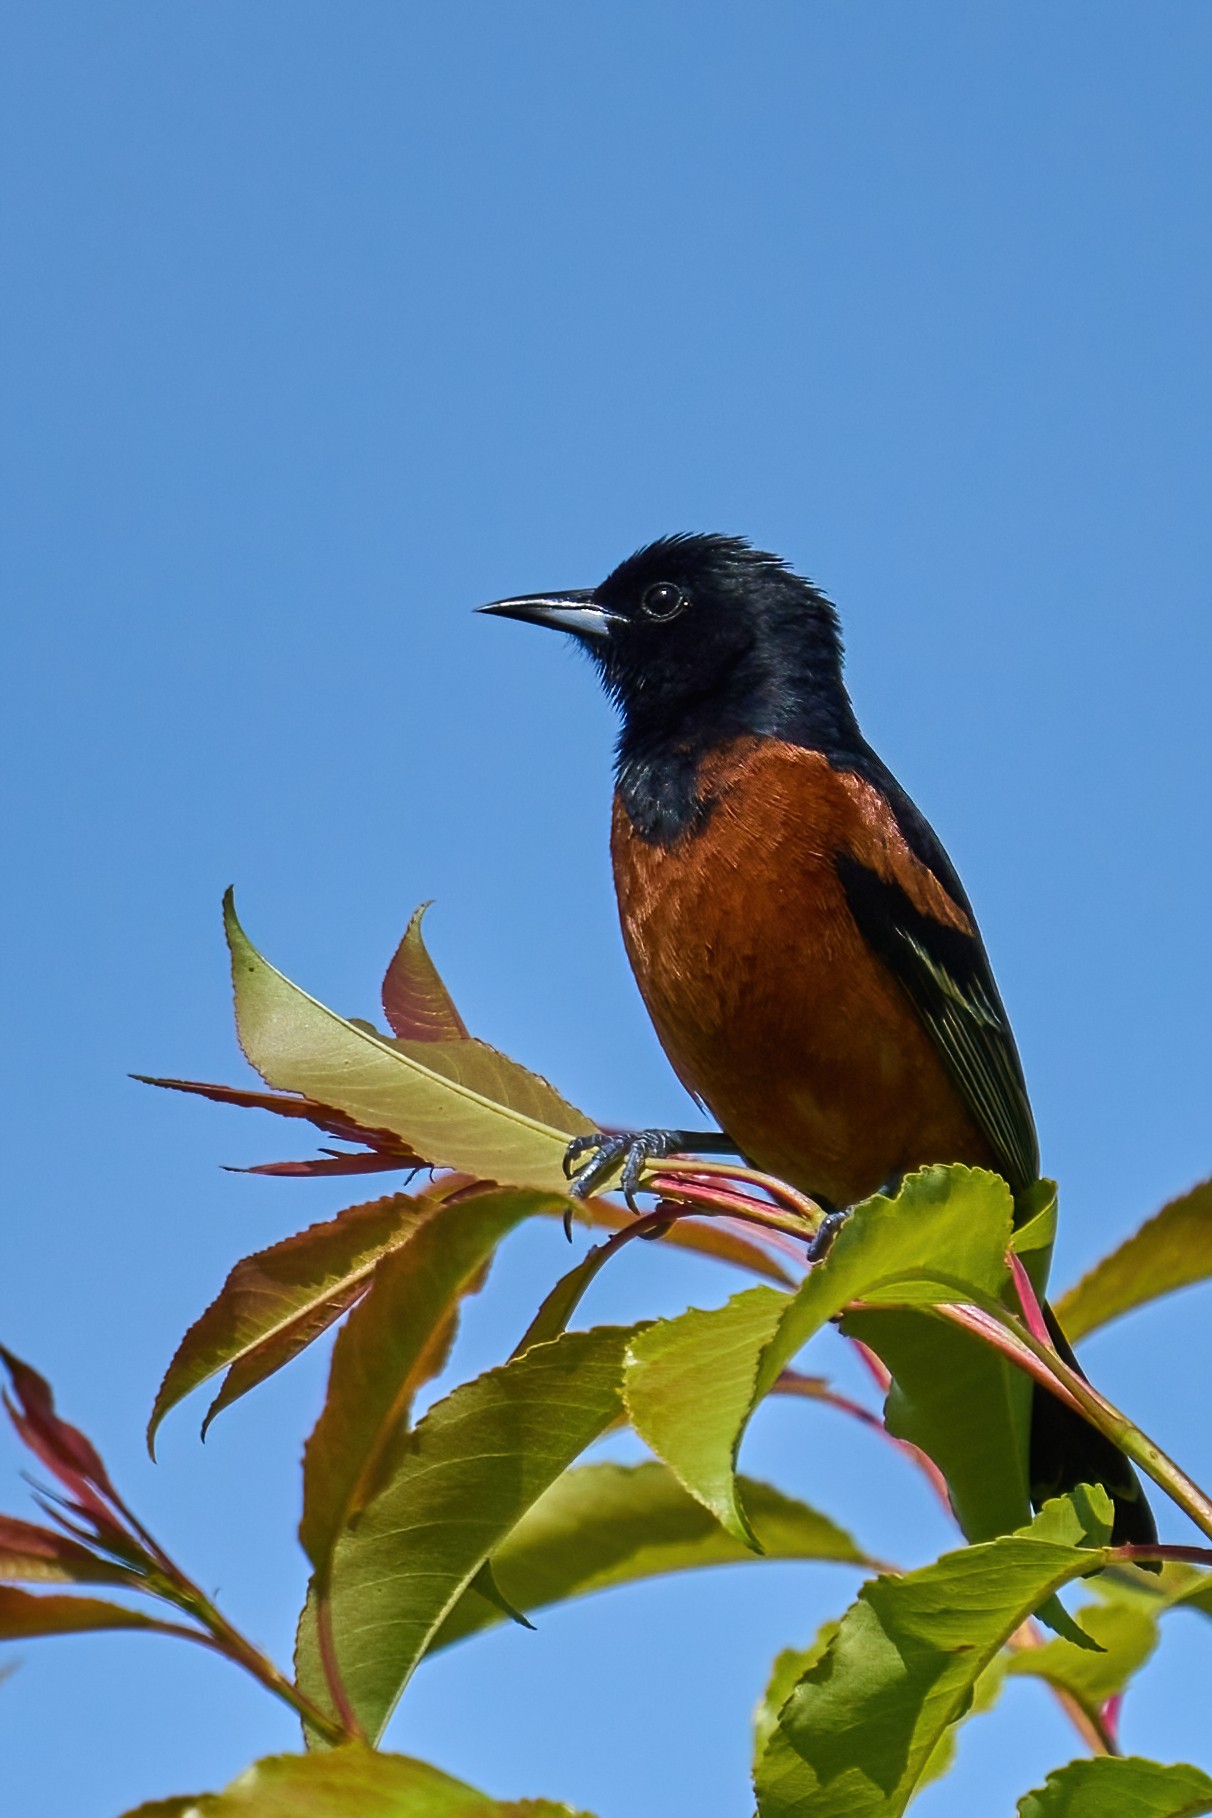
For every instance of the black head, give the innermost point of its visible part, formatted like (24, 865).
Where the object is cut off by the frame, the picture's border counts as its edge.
(703, 638)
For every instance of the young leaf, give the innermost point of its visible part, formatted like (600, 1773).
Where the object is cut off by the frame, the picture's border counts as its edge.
(479, 1068)
(324, 1117)
(68, 1454)
(24, 1614)
(471, 1470)
(35, 1555)
(333, 1162)
(274, 1303)
(416, 1003)
(421, 1011)
(693, 1382)
(609, 1524)
(859, 1730)
(1172, 1250)
(386, 1351)
(298, 1045)
(1120, 1787)
(63, 1449)
(349, 1782)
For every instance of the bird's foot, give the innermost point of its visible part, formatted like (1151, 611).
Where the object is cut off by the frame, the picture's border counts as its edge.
(634, 1148)
(822, 1240)
(835, 1217)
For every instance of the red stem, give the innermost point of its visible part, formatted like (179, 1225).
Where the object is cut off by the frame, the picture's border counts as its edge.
(1108, 1717)
(1037, 1325)
(792, 1383)
(1181, 1555)
(332, 1672)
(988, 1328)
(875, 1365)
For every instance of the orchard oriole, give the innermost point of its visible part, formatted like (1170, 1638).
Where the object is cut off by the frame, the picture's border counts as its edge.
(803, 943)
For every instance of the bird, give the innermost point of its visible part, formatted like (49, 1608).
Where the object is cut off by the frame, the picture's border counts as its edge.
(802, 942)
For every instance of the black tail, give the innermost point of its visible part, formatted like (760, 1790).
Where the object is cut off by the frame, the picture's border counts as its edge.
(1066, 1450)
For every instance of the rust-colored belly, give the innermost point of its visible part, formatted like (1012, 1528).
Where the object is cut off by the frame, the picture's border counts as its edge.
(767, 1000)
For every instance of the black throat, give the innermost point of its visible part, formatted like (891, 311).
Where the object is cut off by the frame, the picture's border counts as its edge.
(660, 756)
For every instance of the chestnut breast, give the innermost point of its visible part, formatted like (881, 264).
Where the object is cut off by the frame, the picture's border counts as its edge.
(767, 1000)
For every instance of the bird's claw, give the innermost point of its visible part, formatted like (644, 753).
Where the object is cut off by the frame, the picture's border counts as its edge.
(634, 1148)
(822, 1239)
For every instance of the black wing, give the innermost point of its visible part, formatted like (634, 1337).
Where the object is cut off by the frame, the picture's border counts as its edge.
(947, 976)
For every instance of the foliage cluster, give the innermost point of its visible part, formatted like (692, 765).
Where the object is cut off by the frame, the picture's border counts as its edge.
(420, 1534)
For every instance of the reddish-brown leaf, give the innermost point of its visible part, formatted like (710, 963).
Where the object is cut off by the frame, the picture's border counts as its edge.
(24, 1614)
(273, 1304)
(33, 1555)
(375, 1161)
(62, 1448)
(287, 1104)
(282, 1347)
(415, 1001)
(457, 1102)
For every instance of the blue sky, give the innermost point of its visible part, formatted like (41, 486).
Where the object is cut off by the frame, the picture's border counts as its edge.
(323, 324)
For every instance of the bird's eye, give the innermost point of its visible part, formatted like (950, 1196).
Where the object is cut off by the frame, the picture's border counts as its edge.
(662, 601)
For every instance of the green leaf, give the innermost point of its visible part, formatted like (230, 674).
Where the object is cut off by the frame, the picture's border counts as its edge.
(470, 1471)
(786, 1672)
(985, 1694)
(453, 1102)
(501, 1081)
(1195, 1594)
(1122, 1617)
(186, 1805)
(1035, 1211)
(416, 1003)
(693, 1382)
(610, 1524)
(1124, 1787)
(1171, 1250)
(965, 1405)
(389, 1346)
(349, 1782)
(485, 1586)
(861, 1728)
(25, 1614)
(274, 1303)
(943, 1238)
(1126, 1632)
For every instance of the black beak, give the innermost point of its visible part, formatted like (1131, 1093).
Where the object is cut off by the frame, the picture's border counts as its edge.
(573, 610)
